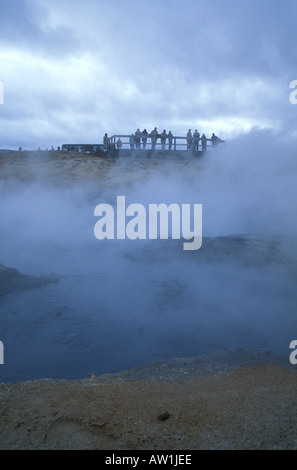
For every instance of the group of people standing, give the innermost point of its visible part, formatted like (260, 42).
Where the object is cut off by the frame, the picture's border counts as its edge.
(141, 137)
(138, 138)
(194, 139)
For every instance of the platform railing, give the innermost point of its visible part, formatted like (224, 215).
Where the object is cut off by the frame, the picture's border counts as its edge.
(178, 143)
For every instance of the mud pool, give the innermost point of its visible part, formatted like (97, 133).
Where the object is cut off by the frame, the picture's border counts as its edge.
(118, 306)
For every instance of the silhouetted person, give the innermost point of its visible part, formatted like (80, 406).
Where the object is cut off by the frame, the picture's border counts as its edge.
(170, 140)
(137, 137)
(163, 139)
(203, 142)
(196, 138)
(189, 140)
(132, 141)
(154, 136)
(105, 141)
(144, 137)
(215, 140)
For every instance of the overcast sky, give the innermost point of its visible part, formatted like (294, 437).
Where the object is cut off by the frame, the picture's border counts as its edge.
(73, 70)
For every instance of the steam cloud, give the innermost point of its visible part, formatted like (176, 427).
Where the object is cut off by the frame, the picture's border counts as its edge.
(121, 303)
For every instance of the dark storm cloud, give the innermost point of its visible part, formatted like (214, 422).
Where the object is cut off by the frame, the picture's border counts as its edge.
(221, 65)
(254, 36)
(23, 26)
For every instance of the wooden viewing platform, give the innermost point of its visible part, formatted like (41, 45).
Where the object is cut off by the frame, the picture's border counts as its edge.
(178, 146)
(178, 143)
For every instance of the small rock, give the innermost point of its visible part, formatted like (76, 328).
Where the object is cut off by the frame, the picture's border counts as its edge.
(163, 416)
